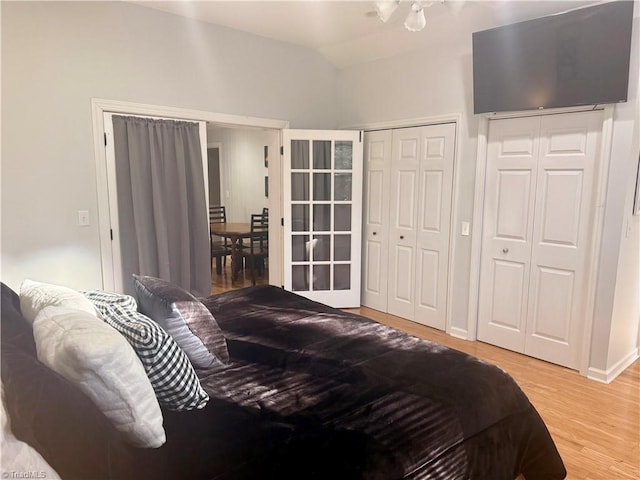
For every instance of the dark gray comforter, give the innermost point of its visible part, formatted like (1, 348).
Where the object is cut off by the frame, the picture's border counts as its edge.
(399, 406)
(310, 393)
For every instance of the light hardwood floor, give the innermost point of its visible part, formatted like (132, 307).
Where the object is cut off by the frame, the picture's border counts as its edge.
(596, 427)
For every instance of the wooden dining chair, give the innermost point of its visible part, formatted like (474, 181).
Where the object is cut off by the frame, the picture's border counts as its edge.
(220, 248)
(257, 251)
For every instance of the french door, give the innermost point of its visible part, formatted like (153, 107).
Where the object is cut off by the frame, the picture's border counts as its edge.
(322, 189)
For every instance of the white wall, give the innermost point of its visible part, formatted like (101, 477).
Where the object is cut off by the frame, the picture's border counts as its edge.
(617, 309)
(242, 168)
(56, 56)
(437, 81)
(623, 229)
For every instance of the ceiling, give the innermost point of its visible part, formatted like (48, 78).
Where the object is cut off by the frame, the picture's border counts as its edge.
(349, 32)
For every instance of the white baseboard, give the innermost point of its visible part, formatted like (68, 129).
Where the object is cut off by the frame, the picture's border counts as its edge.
(459, 333)
(607, 376)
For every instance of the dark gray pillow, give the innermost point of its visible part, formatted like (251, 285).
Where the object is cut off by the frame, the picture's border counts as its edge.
(185, 318)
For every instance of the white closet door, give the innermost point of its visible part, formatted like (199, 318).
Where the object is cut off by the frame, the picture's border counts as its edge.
(538, 220)
(507, 230)
(377, 167)
(569, 146)
(434, 224)
(405, 165)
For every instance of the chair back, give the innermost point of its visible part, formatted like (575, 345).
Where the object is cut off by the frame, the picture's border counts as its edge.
(260, 232)
(217, 214)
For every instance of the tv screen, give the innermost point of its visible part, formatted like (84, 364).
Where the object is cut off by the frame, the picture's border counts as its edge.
(574, 58)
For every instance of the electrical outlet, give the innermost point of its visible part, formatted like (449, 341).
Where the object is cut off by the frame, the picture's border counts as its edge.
(465, 229)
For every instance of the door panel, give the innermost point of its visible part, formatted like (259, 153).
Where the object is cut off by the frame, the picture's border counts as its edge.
(513, 215)
(434, 224)
(554, 295)
(562, 199)
(512, 153)
(401, 301)
(508, 292)
(377, 158)
(322, 188)
(405, 207)
(428, 282)
(431, 218)
(405, 164)
(569, 146)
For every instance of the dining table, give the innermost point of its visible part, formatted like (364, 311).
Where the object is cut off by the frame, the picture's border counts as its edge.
(234, 232)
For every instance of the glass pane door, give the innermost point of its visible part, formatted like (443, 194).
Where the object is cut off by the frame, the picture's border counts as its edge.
(322, 221)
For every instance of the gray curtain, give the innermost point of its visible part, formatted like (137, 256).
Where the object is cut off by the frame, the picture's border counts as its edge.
(161, 202)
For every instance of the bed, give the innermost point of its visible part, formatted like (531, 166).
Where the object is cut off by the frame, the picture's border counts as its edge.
(309, 392)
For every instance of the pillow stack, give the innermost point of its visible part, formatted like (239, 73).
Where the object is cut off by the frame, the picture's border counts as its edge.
(74, 342)
(130, 359)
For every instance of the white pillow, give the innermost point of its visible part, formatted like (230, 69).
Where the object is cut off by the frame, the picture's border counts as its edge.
(34, 296)
(100, 362)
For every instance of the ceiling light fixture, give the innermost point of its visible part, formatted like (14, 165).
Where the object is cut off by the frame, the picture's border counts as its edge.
(414, 22)
(385, 8)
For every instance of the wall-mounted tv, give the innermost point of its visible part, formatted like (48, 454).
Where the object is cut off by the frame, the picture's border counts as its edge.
(580, 57)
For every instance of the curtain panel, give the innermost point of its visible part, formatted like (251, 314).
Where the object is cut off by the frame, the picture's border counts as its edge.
(161, 202)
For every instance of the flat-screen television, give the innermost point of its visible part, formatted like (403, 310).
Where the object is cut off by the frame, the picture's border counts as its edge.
(580, 57)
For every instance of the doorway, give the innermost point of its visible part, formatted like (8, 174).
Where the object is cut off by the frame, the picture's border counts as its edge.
(101, 106)
(213, 162)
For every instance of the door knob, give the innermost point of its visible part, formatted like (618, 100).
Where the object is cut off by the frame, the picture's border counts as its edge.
(505, 250)
(401, 237)
(375, 233)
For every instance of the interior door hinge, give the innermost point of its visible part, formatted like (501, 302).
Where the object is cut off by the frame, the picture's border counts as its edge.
(360, 136)
(282, 221)
(105, 139)
(281, 149)
(111, 233)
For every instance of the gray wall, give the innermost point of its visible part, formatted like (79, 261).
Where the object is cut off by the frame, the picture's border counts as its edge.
(56, 56)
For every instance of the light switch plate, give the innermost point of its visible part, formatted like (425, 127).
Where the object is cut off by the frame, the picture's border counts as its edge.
(83, 218)
(465, 229)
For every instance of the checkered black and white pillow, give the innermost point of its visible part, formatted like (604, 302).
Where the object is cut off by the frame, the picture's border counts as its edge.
(172, 376)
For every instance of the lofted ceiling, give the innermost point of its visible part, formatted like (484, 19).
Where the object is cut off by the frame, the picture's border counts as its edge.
(349, 32)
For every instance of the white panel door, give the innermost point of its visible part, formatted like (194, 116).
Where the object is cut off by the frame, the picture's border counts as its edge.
(538, 220)
(512, 153)
(375, 238)
(403, 216)
(434, 224)
(569, 146)
(322, 190)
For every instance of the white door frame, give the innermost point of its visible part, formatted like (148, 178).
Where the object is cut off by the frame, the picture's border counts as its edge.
(598, 202)
(101, 106)
(455, 118)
